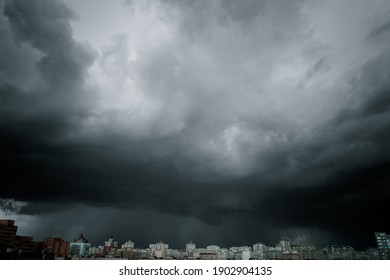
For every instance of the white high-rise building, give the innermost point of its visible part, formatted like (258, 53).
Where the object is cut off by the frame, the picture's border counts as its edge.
(212, 249)
(110, 246)
(159, 250)
(111, 243)
(259, 247)
(242, 255)
(284, 245)
(190, 247)
(383, 242)
(129, 245)
(80, 247)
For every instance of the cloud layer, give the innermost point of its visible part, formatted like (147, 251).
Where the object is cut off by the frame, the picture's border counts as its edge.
(271, 117)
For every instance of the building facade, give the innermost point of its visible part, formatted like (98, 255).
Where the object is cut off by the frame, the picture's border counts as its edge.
(56, 247)
(383, 242)
(80, 247)
(7, 234)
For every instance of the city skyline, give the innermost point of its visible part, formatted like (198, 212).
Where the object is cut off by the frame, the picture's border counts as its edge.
(213, 121)
(14, 246)
(123, 242)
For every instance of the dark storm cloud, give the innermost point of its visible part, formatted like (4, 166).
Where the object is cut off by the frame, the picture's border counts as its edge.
(9, 206)
(41, 30)
(45, 26)
(380, 32)
(35, 115)
(235, 134)
(351, 156)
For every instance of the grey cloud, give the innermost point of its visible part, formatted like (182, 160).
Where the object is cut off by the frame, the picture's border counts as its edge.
(203, 129)
(380, 32)
(42, 32)
(9, 206)
(144, 227)
(63, 60)
(320, 66)
(38, 113)
(245, 10)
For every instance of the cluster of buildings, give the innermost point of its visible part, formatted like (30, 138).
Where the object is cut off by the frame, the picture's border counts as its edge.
(13, 246)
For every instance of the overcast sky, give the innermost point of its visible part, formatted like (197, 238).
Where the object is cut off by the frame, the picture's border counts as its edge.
(218, 122)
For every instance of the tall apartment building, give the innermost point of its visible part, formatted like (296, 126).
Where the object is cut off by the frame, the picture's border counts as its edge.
(284, 245)
(7, 234)
(129, 245)
(190, 247)
(110, 246)
(24, 244)
(159, 250)
(383, 242)
(80, 247)
(57, 246)
(259, 247)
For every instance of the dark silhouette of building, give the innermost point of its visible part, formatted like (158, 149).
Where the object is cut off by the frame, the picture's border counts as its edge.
(7, 234)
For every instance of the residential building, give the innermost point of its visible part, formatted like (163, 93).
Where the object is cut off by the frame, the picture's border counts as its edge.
(190, 247)
(242, 255)
(7, 234)
(284, 245)
(110, 246)
(56, 247)
(129, 245)
(80, 247)
(159, 250)
(383, 242)
(306, 252)
(340, 252)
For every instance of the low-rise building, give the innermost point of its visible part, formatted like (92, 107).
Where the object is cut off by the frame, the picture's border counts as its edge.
(339, 252)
